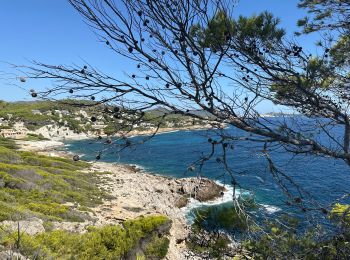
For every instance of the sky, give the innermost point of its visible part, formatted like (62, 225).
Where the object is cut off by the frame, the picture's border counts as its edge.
(51, 31)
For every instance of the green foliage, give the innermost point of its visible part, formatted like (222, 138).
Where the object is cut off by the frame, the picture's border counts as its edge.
(277, 241)
(341, 213)
(157, 248)
(340, 49)
(324, 14)
(220, 29)
(36, 185)
(213, 244)
(49, 209)
(7, 143)
(206, 236)
(280, 242)
(331, 16)
(9, 212)
(22, 111)
(220, 217)
(317, 75)
(140, 257)
(73, 124)
(110, 129)
(263, 27)
(217, 32)
(151, 118)
(7, 155)
(108, 242)
(34, 137)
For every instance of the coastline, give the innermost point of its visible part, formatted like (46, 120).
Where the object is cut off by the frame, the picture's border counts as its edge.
(168, 130)
(138, 193)
(47, 147)
(63, 135)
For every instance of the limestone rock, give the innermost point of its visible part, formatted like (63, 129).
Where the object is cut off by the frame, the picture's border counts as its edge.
(30, 226)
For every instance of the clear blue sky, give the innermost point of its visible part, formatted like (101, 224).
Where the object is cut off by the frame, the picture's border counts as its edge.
(51, 31)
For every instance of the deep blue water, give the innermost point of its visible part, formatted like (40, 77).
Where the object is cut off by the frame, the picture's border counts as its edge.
(170, 154)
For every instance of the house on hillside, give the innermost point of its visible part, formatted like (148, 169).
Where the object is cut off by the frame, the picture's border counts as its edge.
(36, 112)
(82, 113)
(49, 113)
(98, 126)
(146, 124)
(3, 122)
(18, 133)
(58, 112)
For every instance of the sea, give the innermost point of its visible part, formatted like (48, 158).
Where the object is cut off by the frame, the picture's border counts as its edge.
(314, 183)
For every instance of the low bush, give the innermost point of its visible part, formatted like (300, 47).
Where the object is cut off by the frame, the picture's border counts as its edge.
(108, 242)
(38, 185)
(157, 248)
(35, 137)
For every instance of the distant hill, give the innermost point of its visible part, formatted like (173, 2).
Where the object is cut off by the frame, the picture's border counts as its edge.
(87, 116)
(161, 111)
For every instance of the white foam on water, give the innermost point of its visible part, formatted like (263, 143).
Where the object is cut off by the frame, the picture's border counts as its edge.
(138, 167)
(270, 209)
(193, 203)
(260, 179)
(227, 197)
(167, 132)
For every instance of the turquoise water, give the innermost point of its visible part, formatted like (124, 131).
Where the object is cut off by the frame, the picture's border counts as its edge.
(170, 154)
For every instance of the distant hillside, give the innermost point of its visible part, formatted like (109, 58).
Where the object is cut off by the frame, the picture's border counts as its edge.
(161, 111)
(87, 116)
(37, 114)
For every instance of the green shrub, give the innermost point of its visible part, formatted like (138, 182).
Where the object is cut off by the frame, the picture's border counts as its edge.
(206, 234)
(108, 242)
(38, 185)
(7, 143)
(7, 155)
(35, 137)
(157, 248)
(9, 213)
(220, 217)
(341, 213)
(48, 208)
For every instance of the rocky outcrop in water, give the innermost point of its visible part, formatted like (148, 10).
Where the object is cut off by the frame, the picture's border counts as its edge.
(200, 189)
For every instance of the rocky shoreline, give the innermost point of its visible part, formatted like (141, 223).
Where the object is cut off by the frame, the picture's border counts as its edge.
(138, 193)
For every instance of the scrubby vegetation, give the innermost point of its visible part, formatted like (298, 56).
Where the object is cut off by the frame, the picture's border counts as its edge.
(23, 112)
(37, 185)
(77, 114)
(153, 118)
(108, 242)
(7, 143)
(285, 242)
(206, 237)
(157, 248)
(35, 137)
(59, 189)
(282, 238)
